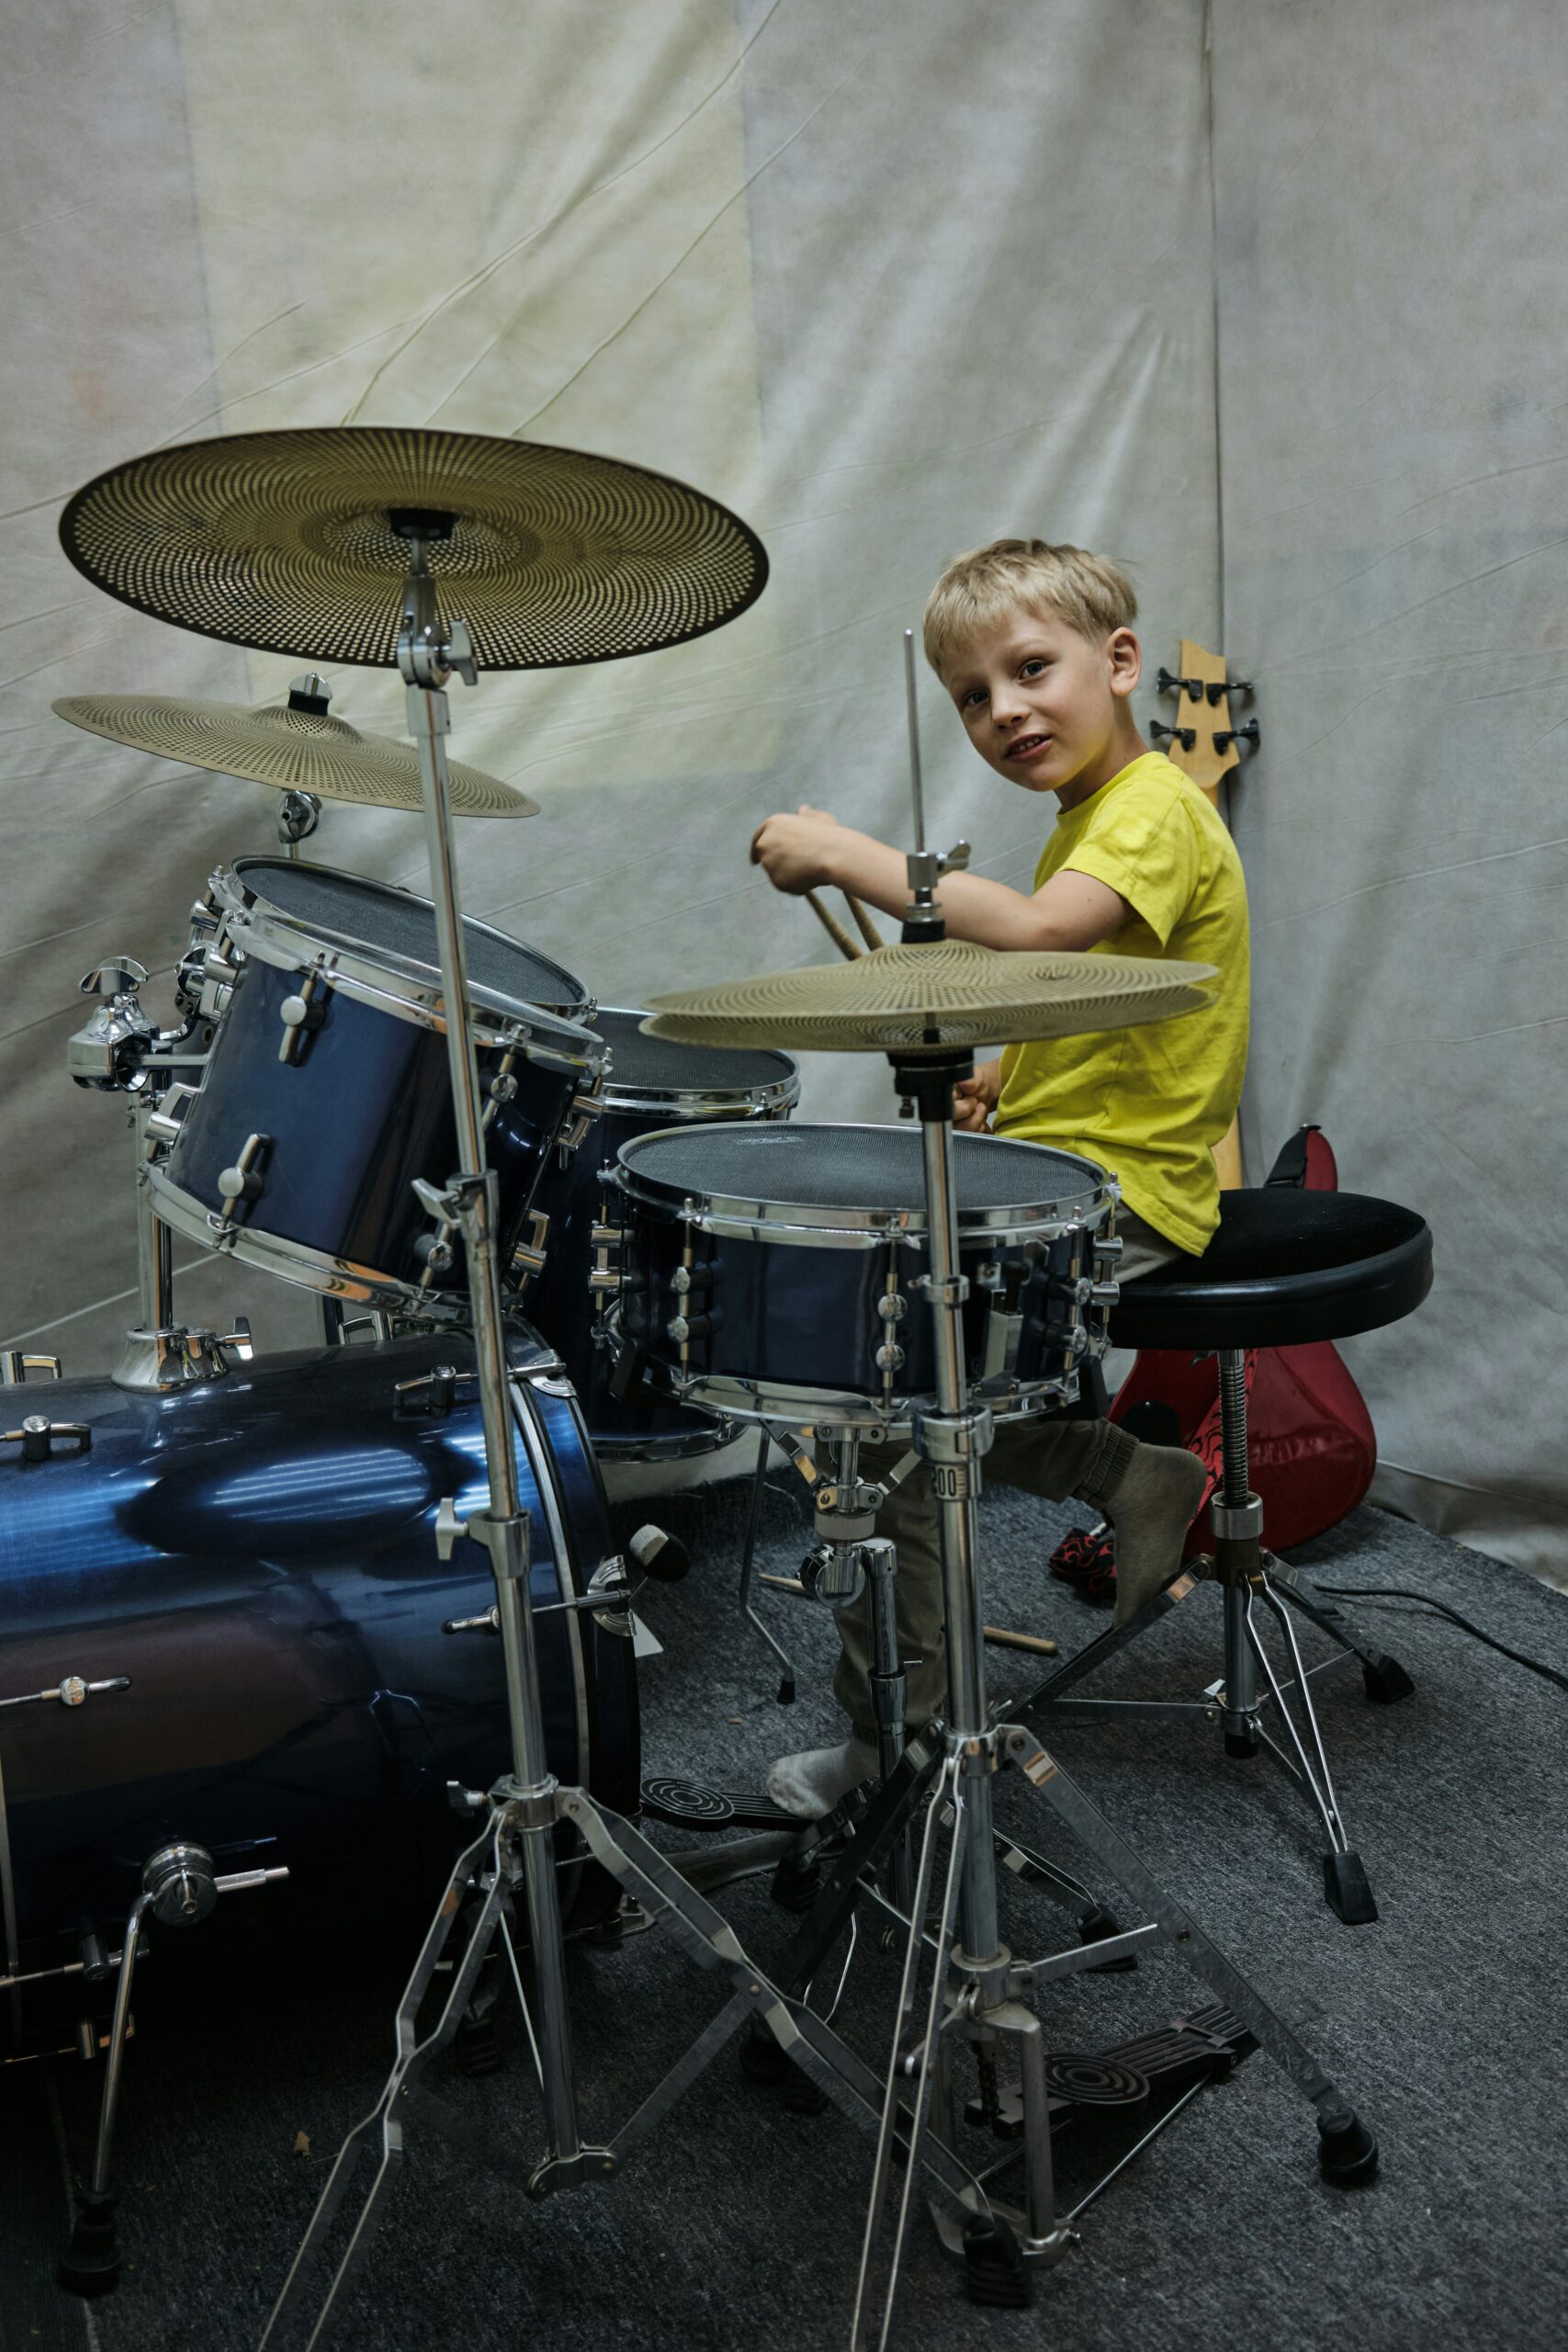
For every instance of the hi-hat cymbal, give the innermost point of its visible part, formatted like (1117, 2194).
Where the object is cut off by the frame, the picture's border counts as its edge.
(282, 541)
(296, 751)
(928, 997)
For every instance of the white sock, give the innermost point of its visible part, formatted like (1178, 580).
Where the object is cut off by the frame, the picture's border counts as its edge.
(810, 1784)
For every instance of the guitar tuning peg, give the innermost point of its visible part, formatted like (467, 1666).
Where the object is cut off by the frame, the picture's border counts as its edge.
(1170, 684)
(1186, 736)
(1218, 689)
(1224, 737)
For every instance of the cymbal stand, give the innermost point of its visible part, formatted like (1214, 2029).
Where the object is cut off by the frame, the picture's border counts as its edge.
(516, 1846)
(977, 1992)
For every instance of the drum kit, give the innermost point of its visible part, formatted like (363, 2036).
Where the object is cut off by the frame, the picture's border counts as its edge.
(235, 1584)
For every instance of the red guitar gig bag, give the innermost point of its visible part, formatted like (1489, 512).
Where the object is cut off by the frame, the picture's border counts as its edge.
(1311, 1446)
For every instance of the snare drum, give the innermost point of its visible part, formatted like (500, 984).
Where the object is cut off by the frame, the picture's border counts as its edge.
(774, 1272)
(649, 1082)
(327, 1090)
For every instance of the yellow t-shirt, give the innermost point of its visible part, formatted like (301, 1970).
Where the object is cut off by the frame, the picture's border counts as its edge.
(1148, 1103)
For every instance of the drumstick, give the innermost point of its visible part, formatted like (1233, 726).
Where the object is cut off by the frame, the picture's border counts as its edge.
(832, 926)
(868, 930)
(1002, 1635)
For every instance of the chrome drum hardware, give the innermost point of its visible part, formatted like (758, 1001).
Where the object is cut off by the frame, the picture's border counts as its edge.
(769, 1271)
(320, 1140)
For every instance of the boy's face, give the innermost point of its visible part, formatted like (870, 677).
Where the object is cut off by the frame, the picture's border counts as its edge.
(1045, 707)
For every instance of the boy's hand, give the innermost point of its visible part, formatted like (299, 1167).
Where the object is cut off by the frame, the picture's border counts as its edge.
(795, 852)
(974, 1099)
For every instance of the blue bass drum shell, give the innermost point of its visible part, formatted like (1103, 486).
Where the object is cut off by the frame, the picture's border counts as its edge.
(257, 1557)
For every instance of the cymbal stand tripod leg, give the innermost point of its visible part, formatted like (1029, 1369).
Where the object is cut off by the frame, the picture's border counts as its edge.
(526, 1805)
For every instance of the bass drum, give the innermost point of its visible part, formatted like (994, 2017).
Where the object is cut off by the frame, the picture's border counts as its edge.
(223, 1623)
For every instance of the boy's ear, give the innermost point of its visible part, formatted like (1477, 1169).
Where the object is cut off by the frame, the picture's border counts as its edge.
(1125, 656)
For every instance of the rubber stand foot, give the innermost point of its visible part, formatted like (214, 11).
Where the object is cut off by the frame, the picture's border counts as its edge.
(475, 2046)
(1387, 1682)
(1347, 2152)
(1345, 1884)
(1241, 1744)
(785, 1692)
(800, 2095)
(761, 2060)
(1094, 1927)
(995, 2273)
(90, 2265)
(796, 1886)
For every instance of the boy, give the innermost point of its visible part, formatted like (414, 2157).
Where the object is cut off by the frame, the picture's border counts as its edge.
(1036, 645)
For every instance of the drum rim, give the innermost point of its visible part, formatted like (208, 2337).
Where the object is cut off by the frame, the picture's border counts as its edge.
(706, 1102)
(388, 982)
(794, 1222)
(373, 882)
(344, 1279)
(751, 1400)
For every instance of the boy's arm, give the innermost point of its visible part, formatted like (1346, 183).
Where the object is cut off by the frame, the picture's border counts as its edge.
(1072, 910)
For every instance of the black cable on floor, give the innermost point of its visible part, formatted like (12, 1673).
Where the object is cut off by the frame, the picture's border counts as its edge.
(1399, 1592)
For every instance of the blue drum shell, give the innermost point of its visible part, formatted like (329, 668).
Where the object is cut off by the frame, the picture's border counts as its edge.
(365, 1108)
(796, 1306)
(650, 1083)
(257, 1554)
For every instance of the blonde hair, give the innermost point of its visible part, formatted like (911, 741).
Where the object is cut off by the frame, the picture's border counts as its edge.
(1088, 592)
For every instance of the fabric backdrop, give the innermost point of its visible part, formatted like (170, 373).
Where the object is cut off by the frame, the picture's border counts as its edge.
(889, 279)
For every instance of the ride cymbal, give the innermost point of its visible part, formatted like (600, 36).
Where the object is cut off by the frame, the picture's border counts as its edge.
(928, 997)
(282, 541)
(296, 751)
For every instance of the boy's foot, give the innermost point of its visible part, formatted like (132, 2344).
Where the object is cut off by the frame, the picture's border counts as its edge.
(810, 1784)
(1158, 1497)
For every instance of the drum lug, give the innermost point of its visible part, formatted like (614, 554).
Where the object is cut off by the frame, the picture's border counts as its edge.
(245, 1181)
(15, 1367)
(528, 1257)
(302, 1014)
(582, 1112)
(38, 1433)
(163, 1126)
(74, 1692)
(431, 1397)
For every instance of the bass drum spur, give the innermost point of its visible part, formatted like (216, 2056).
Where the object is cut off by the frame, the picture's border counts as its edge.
(326, 1094)
(223, 1623)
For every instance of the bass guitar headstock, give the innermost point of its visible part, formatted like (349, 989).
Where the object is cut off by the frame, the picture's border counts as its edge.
(1201, 737)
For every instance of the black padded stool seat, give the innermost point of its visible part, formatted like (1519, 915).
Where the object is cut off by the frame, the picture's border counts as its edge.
(1285, 1267)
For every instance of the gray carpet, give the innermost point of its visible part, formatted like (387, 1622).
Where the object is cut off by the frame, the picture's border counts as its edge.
(738, 2223)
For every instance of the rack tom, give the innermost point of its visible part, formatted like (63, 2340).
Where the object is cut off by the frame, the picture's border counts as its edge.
(649, 1083)
(774, 1272)
(326, 1093)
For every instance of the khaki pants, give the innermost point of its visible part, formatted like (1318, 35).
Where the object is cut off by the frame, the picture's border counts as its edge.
(1045, 1457)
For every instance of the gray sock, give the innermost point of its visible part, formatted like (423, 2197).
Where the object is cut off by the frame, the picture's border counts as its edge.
(1151, 1494)
(810, 1783)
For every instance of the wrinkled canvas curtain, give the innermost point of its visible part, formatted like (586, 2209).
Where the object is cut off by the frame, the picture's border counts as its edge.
(1393, 274)
(890, 279)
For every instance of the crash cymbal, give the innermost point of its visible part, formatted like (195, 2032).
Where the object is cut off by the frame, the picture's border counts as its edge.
(296, 751)
(281, 541)
(909, 999)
